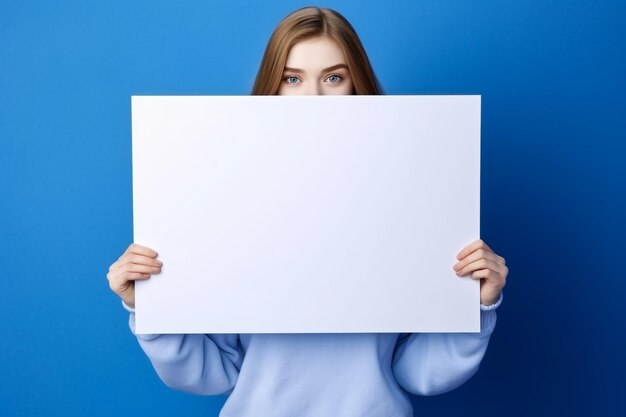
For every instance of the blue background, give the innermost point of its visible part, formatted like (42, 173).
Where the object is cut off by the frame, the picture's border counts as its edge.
(552, 77)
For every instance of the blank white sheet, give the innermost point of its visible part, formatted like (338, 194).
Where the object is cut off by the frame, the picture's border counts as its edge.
(307, 214)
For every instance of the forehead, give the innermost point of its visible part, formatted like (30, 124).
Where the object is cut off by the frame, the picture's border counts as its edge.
(315, 53)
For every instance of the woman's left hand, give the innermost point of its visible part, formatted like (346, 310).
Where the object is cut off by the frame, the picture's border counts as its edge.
(483, 264)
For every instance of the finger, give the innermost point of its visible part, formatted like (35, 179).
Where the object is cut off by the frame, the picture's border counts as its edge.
(141, 260)
(129, 268)
(480, 264)
(490, 276)
(131, 258)
(476, 255)
(125, 275)
(132, 267)
(477, 244)
(141, 250)
(133, 248)
(483, 274)
(120, 282)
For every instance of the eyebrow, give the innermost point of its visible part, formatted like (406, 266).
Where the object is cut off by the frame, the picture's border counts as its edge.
(334, 67)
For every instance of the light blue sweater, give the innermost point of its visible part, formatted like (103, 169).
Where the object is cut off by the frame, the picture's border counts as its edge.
(343, 375)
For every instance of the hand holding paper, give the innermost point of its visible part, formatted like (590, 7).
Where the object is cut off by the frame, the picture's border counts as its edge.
(136, 263)
(482, 263)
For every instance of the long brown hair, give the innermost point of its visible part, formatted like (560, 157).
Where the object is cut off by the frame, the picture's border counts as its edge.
(309, 22)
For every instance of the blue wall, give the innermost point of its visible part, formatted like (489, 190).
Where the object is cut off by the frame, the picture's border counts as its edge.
(552, 75)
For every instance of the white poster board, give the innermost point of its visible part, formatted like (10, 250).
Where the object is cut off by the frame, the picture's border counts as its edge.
(307, 214)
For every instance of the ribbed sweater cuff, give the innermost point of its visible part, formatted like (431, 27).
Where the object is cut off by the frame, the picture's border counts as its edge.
(131, 324)
(129, 309)
(494, 305)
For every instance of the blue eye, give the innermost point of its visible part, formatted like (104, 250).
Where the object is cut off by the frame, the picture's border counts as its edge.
(291, 77)
(336, 77)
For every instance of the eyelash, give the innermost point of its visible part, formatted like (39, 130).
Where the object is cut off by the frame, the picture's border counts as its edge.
(295, 76)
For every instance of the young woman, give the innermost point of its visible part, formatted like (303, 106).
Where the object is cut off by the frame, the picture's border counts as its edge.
(316, 51)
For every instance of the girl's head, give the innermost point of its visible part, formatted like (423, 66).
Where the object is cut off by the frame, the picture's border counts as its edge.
(315, 51)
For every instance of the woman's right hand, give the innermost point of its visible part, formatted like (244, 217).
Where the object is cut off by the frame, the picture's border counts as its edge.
(137, 263)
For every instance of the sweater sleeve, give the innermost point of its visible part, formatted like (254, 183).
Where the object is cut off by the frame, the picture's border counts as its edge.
(196, 363)
(434, 363)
